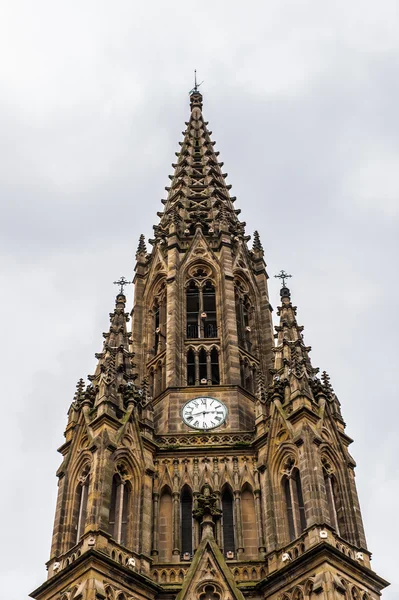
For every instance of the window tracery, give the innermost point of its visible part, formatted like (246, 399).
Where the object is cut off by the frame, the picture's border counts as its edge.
(203, 366)
(201, 319)
(209, 591)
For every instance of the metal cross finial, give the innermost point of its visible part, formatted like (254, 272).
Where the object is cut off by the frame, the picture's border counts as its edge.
(122, 282)
(196, 85)
(283, 276)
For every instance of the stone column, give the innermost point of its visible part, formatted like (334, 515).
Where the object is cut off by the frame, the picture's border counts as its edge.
(259, 521)
(176, 523)
(238, 521)
(196, 358)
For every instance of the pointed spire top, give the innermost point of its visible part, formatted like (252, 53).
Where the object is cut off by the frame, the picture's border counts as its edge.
(141, 248)
(257, 244)
(195, 94)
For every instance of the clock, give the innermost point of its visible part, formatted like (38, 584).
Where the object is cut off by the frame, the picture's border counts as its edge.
(204, 413)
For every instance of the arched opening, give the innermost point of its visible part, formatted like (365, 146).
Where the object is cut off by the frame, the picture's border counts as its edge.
(208, 315)
(249, 531)
(82, 493)
(339, 508)
(165, 522)
(228, 521)
(201, 310)
(186, 521)
(157, 329)
(80, 504)
(190, 367)
(289, 508)
(119, 509)
(192, 310)
(215, 373)
(244, 317)
(295, 508)
(330, 500)
(202, 361)
(159, 320)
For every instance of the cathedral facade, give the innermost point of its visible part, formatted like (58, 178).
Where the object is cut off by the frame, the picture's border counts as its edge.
(206, 458)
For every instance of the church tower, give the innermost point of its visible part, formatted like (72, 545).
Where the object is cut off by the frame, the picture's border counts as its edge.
(206, 458)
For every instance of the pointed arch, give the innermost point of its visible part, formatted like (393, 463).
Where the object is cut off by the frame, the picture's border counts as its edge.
(191, 375)
(186, 520)
(165, 542)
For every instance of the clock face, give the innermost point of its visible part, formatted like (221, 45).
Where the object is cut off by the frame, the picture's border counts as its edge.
(204, 413)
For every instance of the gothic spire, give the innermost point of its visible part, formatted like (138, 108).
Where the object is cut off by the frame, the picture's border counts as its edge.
(198, 195)
(113, 377)
(257, 244)
(292, 366)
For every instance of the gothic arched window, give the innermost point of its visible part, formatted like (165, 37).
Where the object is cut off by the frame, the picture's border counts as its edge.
(186, 521)
(159, 321)
(208, 315)
(215, 373)
(228, 521)
(295, 508)
(191, 368)
(201, 310)
(82, 494)
(334, 500)
(192, 310)
(120, 507)
(203, 371)
(244, 317)
(330, 498)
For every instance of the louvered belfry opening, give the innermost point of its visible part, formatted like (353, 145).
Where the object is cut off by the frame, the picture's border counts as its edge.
(186, 521)
(228, 521)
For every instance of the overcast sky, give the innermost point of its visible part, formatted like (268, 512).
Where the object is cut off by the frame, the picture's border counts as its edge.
(302, 98)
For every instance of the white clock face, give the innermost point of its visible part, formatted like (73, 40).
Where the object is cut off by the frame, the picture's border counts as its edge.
(204, 413)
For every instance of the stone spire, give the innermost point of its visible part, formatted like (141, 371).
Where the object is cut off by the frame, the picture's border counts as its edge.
(141, 248)
(198, 195)
(257, 244)
(113, 378)
(292, 366)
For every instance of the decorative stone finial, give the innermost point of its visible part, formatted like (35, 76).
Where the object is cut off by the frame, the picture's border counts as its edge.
(257, 244)
(141, 248)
